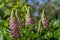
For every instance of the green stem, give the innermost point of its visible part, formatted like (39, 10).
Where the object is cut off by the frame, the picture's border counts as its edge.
(12, 12)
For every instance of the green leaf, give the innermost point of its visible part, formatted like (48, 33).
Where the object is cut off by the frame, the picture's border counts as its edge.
(1, 5)
(1, 37)
(57, 33)
(6, 0)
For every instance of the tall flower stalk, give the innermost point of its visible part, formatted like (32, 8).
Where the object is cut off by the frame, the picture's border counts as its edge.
(44, 20)
(15, 25)
(28, 19)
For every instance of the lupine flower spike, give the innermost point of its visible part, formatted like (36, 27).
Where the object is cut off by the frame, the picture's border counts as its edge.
(28, 18)
(44, 20)
(14, 26)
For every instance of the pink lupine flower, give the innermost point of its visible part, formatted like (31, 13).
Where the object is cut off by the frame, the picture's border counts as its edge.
(45, 22)
(15, 25)
(28, 19)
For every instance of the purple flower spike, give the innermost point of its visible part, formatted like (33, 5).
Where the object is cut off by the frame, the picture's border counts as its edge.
(15, 25)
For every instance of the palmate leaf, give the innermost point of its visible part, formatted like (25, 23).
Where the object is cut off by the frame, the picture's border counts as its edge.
(4, 34)
(4, 23)
(4, 30)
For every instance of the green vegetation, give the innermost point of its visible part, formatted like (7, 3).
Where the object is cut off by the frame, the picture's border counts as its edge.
(30, 32)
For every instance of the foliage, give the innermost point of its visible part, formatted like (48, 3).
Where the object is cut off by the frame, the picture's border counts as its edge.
(52, 33)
